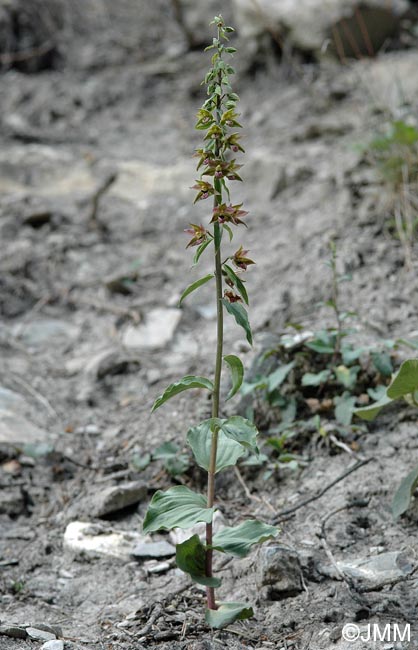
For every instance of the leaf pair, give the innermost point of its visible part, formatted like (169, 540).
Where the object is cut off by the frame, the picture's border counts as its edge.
(234, 436)
(234, 540)
(191, 381)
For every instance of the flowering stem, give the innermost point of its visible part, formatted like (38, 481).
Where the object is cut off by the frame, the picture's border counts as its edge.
(210, 591)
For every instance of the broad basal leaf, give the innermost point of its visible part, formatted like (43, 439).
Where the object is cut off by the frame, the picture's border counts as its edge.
(194, 286)
(406, 381)
(370, 412)
(278, 376)
(403, 494)
(179, 386)
(242, 431)
(178, 507)
(238, 312)
(200, 440)
(227, 613)
(237, 373)
(191, 557)
(238, 540)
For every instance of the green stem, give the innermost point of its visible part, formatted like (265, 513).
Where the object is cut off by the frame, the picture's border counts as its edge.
(210, 591)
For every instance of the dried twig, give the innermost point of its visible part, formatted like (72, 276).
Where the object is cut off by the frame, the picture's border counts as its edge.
(97, 196)
(283, 514)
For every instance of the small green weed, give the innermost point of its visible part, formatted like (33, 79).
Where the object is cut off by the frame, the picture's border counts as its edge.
(404, 385)
(395, 155)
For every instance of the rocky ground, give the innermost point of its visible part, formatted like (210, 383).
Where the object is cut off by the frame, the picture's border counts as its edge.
(95, 170)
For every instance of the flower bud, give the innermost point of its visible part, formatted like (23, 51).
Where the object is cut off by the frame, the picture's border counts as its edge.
(218, 174)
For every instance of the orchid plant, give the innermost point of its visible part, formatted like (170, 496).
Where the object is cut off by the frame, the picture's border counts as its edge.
(217, 443)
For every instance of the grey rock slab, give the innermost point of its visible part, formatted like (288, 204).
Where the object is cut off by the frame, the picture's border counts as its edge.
(376, 572)
(279, 573)
(92, 540)
(40, 635)
(46, 333)
(13, 631)
(154, 550)
(17, 430)
(156, 332)
(101, 502)
(56, 644)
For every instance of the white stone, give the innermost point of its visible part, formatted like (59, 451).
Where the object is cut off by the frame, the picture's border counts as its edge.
(55, 644)
(156, 332)
(93, 540)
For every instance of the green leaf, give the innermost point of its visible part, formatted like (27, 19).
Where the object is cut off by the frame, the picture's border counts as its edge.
(200, 440)
(383, 363)
(237, 282)
(178, 507)
(166, 450)
(140, 462)
(237, 373)
(200, 250)
(370, 412)
(403, 494)
(347, 376)
(177, 465)
(323, 342)
(241, 430)
(191, 558)
(227, 613)
(406, 381)
(315, 379)
(229, 231)
(187, 382)
(238, 312)
(344, 409)
(238, 540)
(194, 286)
(278, 376)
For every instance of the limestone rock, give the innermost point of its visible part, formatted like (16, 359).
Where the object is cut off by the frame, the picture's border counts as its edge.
(95, 540)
